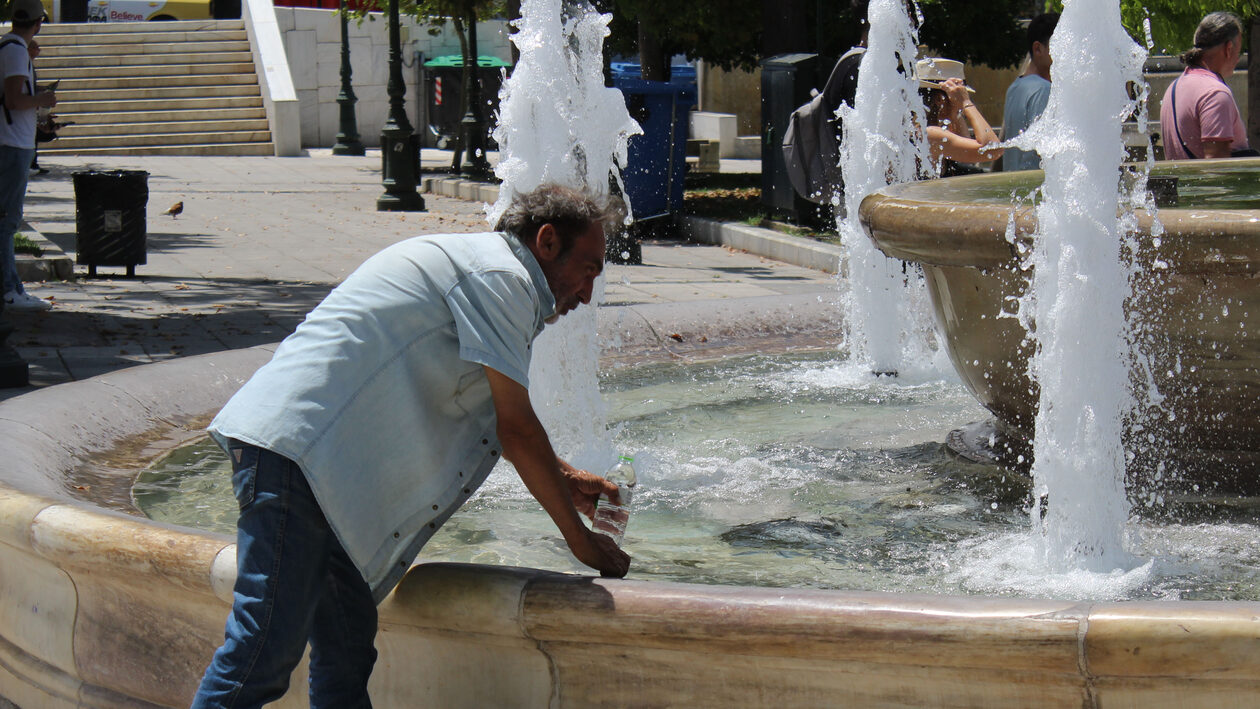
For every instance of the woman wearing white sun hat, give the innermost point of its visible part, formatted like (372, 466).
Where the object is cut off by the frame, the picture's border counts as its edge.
(947, 99)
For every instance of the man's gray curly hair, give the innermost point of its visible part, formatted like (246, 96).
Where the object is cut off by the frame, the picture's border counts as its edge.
(572, 212)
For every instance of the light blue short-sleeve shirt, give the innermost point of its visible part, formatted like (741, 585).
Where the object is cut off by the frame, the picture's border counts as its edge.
(1026, 99)
(380, 396)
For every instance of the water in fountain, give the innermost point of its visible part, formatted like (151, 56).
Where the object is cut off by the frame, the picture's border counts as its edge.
(791, 470)
(559, 123)
(887, 320)
(1077, 298)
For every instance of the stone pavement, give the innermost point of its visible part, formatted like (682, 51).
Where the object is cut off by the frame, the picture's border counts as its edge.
(261, 240)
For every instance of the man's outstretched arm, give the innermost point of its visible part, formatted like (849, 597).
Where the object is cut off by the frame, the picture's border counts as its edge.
(526, 445)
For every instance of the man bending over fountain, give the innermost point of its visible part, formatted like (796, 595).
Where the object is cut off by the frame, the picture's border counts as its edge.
(375, 420)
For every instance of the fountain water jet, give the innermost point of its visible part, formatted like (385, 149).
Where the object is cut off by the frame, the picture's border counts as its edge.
(559, 123)
(557, 120)
(1079, 286)
(884, 329)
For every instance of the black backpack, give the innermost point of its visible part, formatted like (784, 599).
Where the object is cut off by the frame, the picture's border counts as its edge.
(811, 145)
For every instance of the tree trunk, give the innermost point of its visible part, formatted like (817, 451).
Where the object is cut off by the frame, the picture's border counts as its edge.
(653, 57)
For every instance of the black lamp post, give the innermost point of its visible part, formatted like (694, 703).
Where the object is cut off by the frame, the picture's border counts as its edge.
(348, 130)
(14, 372)
(400, 153)
(473, 123)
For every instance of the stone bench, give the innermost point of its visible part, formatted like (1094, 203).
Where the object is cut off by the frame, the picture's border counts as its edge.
(720, 127)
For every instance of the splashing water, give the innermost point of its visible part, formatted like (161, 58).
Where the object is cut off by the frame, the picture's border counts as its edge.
(559, 123)
(1078, 291)
(886, 324)
(557, 120)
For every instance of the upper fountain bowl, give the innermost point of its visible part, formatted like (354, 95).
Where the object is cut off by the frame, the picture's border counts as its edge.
(1196, 297)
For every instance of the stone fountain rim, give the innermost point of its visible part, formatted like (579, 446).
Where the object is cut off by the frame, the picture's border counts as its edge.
(905, 222)
(1161, 166)
(127, 396)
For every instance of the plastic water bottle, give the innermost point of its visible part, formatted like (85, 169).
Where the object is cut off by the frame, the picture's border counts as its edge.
(611, 519)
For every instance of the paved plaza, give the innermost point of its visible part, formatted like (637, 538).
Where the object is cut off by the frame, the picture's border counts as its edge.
(261, 240)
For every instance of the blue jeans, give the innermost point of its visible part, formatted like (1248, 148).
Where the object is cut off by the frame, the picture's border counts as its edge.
(15, 168)
(294, 584)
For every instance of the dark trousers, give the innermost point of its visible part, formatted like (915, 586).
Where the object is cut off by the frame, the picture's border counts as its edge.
(294, 584)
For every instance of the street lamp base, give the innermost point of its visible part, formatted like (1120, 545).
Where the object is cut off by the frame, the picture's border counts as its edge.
(401, 202)
(348, 148)
(479, 173)
(400, 171)
(475, 165)
(14, 371)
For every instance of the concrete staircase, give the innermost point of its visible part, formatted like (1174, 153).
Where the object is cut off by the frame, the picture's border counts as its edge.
(154, 88)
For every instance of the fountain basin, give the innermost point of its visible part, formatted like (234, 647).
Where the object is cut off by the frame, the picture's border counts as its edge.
(103, 608)
(1198, 293)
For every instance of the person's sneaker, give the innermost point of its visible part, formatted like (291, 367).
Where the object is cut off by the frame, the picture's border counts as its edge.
(24, 301)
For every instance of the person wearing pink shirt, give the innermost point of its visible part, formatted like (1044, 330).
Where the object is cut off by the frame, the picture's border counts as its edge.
(1198, 116)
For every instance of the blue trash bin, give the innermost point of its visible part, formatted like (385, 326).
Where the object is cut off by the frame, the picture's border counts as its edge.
(657, 160)
(684, 74)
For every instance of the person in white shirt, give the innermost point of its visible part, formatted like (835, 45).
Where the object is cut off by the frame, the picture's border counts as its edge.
(17, 142)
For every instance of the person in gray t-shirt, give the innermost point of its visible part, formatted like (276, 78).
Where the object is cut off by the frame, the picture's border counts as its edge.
(1027, 96)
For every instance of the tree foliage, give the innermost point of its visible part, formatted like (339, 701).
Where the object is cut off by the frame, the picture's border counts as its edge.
(975, 31)
(1172, 22)
(434, 13)
(725, 33)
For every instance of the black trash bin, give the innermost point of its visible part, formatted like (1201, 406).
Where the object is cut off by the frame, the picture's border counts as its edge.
(109, 217)
(787, 81)
(444, 92)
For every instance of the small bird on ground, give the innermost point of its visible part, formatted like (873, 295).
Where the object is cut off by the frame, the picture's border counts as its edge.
(175, 209)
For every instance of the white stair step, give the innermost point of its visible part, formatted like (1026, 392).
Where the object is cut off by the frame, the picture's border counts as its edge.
(78, 70)
(98, 51)
(94, 83)
(163, 116)
(55, 43)
(151, 105)
(155, 93)
(211, 149)
(155, 139)
(133, 60)
(56, 29)
(189, 126)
